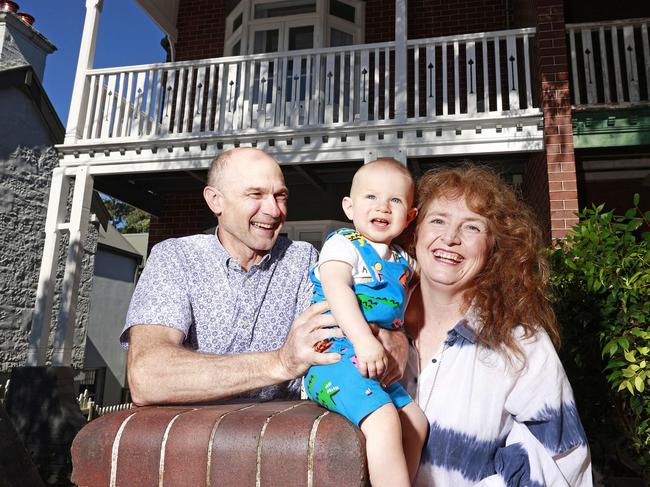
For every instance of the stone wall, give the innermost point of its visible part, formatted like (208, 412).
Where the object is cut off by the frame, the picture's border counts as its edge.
(24, 189)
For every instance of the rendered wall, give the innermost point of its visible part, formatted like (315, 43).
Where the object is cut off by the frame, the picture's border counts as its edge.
(24, 188)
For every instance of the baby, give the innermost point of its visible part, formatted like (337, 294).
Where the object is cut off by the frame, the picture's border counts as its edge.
(364, 279)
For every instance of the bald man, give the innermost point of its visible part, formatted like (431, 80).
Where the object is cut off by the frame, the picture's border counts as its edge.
(228, 315)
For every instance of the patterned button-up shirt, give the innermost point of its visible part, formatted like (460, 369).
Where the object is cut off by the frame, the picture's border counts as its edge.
(193, 285)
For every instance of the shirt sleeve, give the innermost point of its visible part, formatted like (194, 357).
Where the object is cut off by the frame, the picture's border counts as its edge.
(339, 248)
(161, 296)
(547, 444)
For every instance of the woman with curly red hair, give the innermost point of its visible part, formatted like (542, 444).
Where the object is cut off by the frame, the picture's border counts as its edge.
(483, 365)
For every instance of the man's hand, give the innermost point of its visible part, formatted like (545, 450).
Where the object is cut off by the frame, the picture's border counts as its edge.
(298, 352)
(371, 357)
(396, 346)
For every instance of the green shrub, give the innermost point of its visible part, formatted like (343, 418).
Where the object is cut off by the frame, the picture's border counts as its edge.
(601, 281)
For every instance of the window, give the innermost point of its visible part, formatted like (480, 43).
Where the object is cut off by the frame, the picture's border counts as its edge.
(285, 8)
(342, 10)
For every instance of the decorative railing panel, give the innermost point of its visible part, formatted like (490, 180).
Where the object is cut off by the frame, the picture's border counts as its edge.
(610, 62)
(470, 76)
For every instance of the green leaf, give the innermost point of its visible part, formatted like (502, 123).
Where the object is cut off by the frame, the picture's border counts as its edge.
(629, 356)
(636, 199)
(624, 343)
(610, 348)
(634, 224)
(638, 384)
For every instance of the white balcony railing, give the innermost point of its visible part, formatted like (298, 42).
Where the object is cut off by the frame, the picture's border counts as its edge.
(610, 62)
(463, 77)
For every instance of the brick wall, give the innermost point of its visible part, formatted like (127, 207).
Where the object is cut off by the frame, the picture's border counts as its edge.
(432, 18)
(183, 214)
(201, 30)
(201, 23)
(554, 172)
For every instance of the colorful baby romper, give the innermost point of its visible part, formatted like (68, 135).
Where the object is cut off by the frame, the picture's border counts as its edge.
(340, 387)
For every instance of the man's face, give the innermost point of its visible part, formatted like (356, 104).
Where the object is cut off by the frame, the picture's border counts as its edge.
(251, 204)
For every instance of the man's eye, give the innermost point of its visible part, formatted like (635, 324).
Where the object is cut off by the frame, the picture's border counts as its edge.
(282, 197)
(255, 195)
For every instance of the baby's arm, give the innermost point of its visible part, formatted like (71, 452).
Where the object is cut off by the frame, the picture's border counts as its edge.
(336, 279)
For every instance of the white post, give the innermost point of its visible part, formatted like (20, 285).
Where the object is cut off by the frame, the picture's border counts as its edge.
(56, 212)
(78, 226)
(401, 52)
(79, 102)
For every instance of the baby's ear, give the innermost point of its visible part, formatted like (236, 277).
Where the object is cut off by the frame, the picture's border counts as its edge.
(412, 213)
(347, 207)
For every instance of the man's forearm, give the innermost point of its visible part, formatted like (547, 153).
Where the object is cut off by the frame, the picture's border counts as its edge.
(163, 373)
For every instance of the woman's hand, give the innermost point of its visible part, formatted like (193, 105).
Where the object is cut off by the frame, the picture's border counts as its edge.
(396, 346)
(371, 357)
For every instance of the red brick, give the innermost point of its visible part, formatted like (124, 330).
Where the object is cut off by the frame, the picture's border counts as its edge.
(569, 185)
(563, 195)
(562, 214)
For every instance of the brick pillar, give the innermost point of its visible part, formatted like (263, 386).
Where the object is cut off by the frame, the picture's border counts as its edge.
(554, 172)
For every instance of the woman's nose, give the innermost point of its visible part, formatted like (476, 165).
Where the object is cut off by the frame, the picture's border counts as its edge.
(450, 236)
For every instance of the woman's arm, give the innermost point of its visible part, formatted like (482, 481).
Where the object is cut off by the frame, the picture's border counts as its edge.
(547, 444)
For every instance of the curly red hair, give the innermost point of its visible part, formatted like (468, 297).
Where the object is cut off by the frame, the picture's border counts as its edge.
(512, 289)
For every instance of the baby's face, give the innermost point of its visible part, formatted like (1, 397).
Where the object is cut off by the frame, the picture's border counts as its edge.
(380, 203)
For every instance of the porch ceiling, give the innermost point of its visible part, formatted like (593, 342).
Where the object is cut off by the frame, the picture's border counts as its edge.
(163, 13)
(315, 184)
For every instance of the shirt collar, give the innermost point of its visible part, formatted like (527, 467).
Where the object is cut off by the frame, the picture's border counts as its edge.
(464, 329)
(224, 257)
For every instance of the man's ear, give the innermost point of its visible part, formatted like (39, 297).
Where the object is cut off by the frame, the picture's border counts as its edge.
(213, 197)
(411, 214)
(347, 207)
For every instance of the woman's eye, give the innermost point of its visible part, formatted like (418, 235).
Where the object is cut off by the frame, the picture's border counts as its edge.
(437, 221)
(474, 228)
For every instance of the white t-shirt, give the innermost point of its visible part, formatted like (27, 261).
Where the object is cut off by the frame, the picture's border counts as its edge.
(341, 249)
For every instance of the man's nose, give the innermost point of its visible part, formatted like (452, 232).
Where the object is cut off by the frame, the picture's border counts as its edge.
(271, 207)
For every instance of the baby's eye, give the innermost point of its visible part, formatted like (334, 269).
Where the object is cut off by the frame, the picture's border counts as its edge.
(397, 201)
(371, 197)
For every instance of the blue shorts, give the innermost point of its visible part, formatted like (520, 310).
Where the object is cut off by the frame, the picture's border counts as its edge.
(341, 388)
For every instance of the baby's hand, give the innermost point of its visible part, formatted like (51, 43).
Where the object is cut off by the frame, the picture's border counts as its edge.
(371, 357)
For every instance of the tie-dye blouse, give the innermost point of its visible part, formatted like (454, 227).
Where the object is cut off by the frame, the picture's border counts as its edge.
(494, 424)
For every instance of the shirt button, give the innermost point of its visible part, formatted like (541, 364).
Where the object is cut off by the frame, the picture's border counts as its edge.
(434, 360)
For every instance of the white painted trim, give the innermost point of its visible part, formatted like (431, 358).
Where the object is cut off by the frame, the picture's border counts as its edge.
(79, 221)
(84, 63)
(41, 318)
(401, 56)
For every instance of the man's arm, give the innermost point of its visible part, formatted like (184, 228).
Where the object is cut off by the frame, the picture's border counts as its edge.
(162, 371)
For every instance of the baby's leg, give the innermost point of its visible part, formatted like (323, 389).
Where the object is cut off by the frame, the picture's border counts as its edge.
(415, 427)
(386, 463)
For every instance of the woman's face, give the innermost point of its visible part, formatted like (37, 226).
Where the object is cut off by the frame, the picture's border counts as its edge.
(452, 245)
